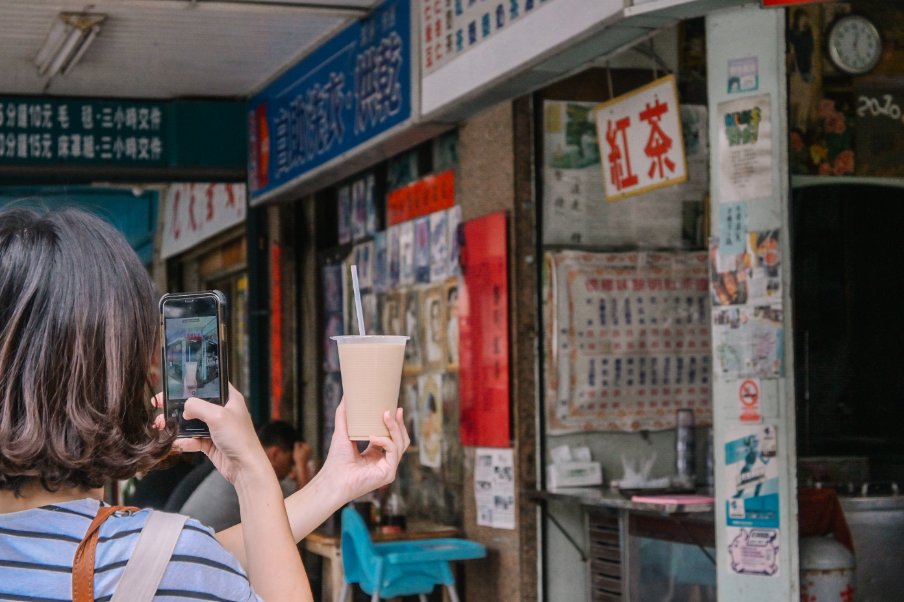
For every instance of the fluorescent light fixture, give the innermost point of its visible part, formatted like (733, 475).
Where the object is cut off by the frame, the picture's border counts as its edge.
(66, 43)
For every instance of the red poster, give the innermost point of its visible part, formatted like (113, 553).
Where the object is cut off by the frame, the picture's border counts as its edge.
(429, 194)
(789, 2)
(483, 314)
(276, 372)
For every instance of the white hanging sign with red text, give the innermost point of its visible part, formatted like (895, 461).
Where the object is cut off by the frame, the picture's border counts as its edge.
(640, 139)
(195, 212)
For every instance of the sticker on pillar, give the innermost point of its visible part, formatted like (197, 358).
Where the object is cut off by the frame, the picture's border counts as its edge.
(753, 551)
(743, 75)
(745, 149)
(748, 342)
(732, 228)
(494, 487)
(751, 475)
(749, 400)
(765, 279)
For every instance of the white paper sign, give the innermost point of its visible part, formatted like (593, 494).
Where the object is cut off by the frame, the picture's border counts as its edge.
(640, 140)
(494, 487)
(745, 149)
(195, 212)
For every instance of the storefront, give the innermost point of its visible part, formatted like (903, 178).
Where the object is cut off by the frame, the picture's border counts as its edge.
(203, 246)
(627, 295)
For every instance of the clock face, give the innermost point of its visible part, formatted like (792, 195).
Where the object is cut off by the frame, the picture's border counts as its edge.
(855, 44)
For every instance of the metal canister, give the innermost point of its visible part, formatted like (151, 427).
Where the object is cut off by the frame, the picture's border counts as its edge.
(685, 445)
(826, 570)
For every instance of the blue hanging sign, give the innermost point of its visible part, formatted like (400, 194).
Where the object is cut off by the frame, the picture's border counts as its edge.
(351, 89)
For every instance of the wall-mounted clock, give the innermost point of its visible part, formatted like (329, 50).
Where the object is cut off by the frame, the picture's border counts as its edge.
(854, 44)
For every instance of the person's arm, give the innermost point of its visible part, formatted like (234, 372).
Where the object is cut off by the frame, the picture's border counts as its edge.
(267, 552)
(345, 476)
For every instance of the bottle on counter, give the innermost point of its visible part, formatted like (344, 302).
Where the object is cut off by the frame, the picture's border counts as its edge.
(685, 446)
(394, 520)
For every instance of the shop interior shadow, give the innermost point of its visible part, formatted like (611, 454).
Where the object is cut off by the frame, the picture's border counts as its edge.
(847, 257)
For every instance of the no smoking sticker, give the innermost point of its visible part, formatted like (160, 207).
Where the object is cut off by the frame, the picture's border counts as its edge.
(749, 400)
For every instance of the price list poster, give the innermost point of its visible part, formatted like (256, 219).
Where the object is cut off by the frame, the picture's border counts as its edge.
(628, 338)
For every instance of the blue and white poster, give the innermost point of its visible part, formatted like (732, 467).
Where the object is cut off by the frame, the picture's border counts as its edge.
(752, 476)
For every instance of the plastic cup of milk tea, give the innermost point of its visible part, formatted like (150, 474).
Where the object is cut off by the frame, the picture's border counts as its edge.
(371, 370)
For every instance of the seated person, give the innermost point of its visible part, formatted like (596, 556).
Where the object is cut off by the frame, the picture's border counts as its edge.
(215, 502)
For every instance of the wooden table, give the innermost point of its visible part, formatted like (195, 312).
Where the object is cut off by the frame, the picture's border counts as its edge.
(329, 546)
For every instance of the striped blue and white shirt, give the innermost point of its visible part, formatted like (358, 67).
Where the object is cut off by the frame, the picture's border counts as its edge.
(37, 547)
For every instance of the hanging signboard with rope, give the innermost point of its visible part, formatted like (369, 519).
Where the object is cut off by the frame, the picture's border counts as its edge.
(641, 141)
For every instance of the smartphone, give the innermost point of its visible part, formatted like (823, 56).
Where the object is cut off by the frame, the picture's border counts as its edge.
(193, 329)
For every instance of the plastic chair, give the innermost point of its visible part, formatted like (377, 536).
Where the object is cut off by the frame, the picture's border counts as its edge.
(399, 568)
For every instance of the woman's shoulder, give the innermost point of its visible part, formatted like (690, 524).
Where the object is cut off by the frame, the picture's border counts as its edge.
(199, 565)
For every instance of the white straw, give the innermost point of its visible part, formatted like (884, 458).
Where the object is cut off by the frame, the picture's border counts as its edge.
(358, 300)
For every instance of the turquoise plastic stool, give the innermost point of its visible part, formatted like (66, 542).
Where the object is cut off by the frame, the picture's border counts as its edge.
(402, 568)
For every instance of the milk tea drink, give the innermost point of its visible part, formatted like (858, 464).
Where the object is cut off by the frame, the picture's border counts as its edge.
(371, 369)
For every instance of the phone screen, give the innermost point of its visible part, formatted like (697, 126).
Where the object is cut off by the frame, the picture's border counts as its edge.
(192, 354)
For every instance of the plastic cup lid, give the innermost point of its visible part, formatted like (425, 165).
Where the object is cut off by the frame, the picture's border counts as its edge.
(380, 339)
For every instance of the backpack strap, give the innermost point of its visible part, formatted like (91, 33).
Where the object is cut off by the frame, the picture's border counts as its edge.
(83, 562)
(150, 557)
(146, 565)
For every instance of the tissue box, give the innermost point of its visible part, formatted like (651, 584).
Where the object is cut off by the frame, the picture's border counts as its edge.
(573, 474)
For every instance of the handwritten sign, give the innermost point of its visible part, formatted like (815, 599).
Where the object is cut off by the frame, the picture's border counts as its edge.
(195, 212)
(641, 141)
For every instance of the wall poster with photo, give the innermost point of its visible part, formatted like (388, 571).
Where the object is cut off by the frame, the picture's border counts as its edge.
(408, 393)
(392, 314)
(450, 292)
(422, 250)
(370, 204)
(454, 226)
(430, 419)
(406, 253)
(411, 323)
(365, 258)
(381, 262)
(359, 210)
(434, 331)
(393, 257)
(439, 246)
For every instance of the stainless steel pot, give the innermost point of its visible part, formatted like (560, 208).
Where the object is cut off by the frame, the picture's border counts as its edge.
(877, 525)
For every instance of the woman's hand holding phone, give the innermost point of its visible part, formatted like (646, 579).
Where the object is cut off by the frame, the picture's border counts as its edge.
(267, 550)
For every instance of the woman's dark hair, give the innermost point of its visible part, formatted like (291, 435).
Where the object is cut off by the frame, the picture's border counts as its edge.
(77, 330)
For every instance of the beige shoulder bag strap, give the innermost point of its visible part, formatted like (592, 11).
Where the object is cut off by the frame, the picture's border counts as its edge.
(152, 553)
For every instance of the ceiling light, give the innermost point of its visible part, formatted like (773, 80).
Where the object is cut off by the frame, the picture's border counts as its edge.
(68, 39)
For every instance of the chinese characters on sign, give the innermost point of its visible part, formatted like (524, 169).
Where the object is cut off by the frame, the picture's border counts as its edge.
(631, 340)
(484, 340)
(450, 27)
(195, 212)
(424, 196)
(640, 140)
(355, 86)
(81, 131)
